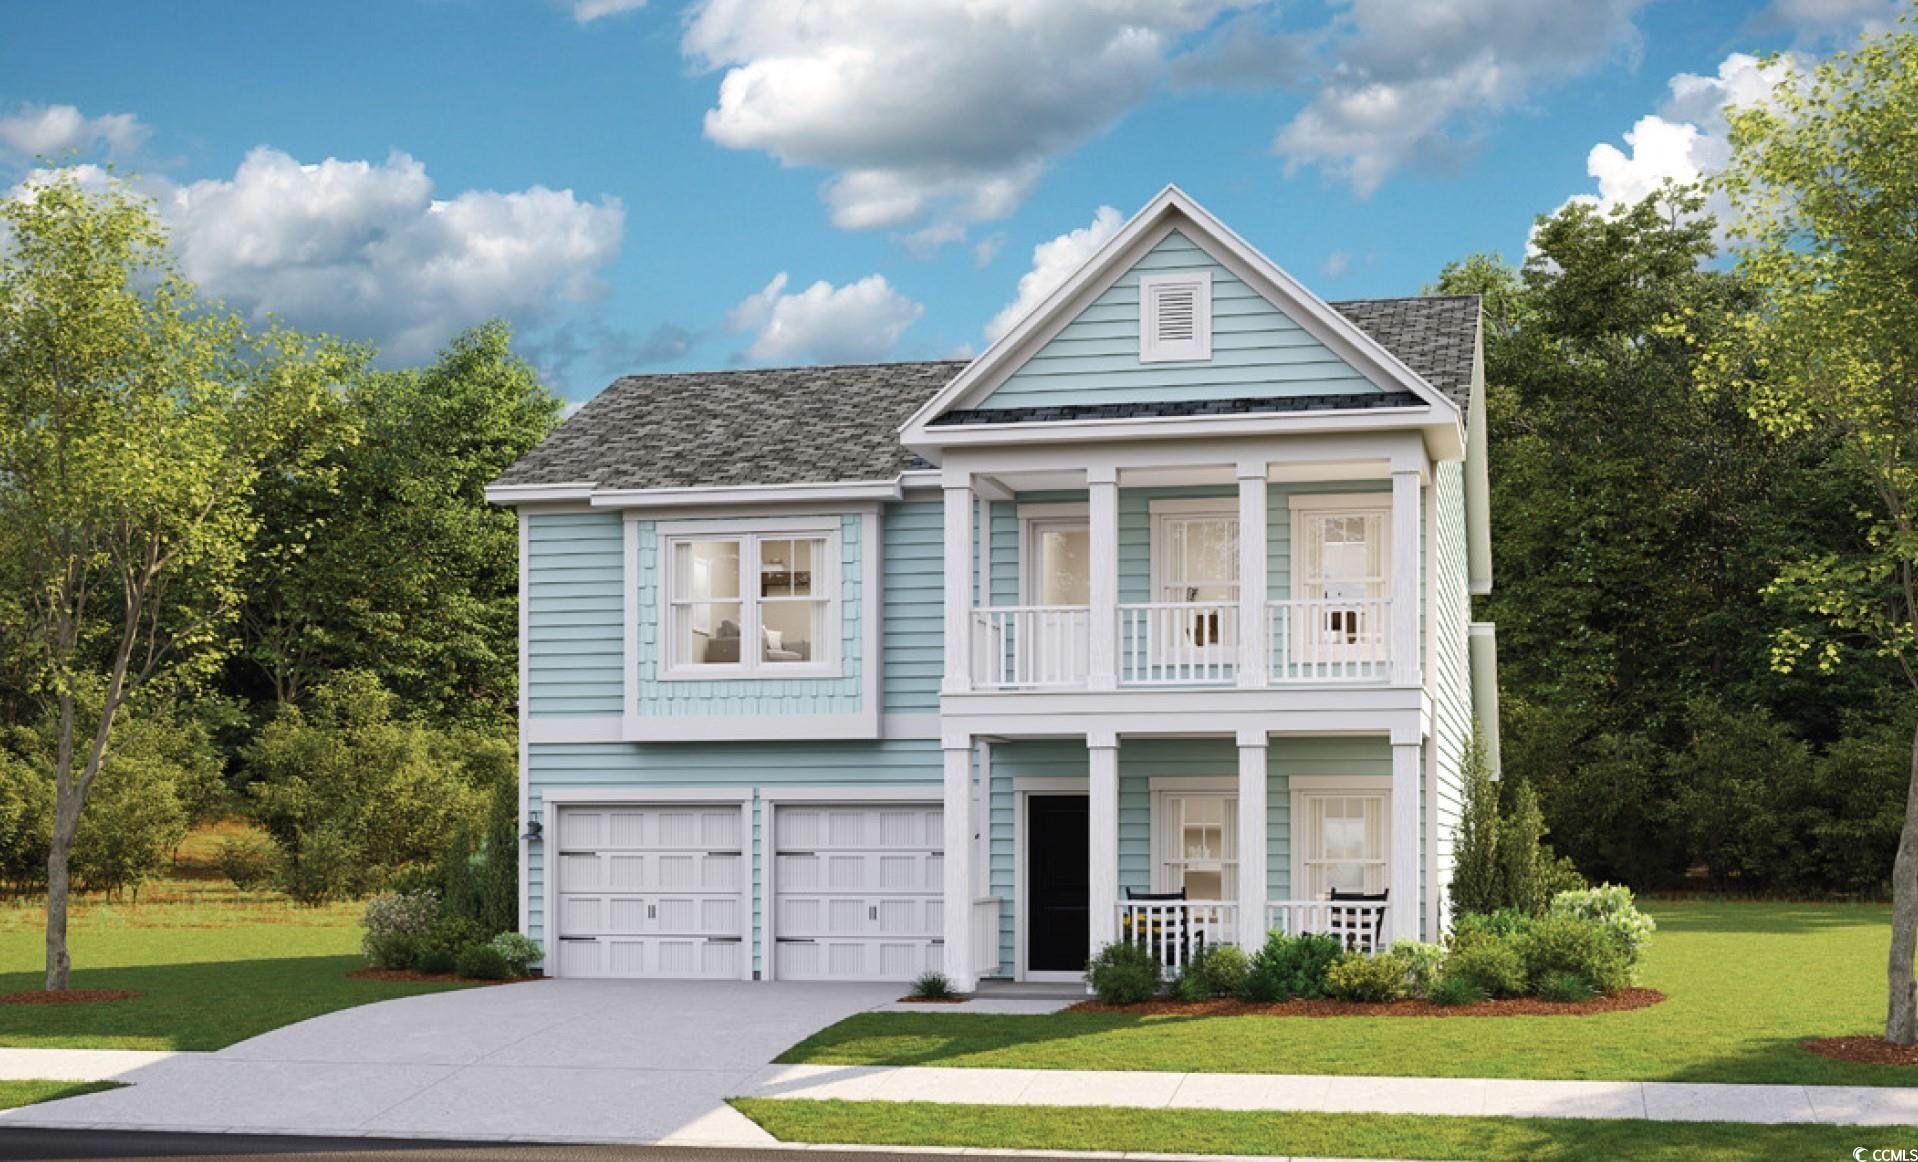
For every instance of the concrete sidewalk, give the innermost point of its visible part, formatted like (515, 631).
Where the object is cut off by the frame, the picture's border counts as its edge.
(1638, 1100)
(76, 1064)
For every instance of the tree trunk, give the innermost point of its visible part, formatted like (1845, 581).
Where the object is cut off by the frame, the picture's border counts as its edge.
(66, 817)
(1901, 1015)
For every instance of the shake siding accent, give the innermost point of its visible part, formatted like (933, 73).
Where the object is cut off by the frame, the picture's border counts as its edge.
(913, 632)
(1452, 685)
(574, 576)
(1257, 350)
(714, 764)
(753, 696)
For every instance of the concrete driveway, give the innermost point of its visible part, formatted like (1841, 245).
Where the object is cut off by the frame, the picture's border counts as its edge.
(631, 1061)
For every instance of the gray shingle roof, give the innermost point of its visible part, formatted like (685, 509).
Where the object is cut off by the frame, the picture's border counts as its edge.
(802, 425)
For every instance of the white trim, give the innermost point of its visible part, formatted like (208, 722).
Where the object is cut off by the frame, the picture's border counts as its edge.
(552, 799)
(1445, 442)
(1054, 509)
(1021, 789)
(826, 662)
(1156, 822)
(786, 796)
(629, 619)
(747, 494)
(1197, 349)
(872, 613)
(1341, 783)
(748, 727)
(1169, 210)
(823, 522)
(605, 728)
(1350, 786)
(525, 747)
(510, 494)
(1200, 784)
(909, 726)
(1031, 523)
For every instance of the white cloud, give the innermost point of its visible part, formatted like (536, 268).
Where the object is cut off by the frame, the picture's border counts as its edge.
(586, 11)
(987, 249)
(933, 111)
(1814, 20)
(858, 322)
(1052, 263)
(363, 249)
(51, 130)
(1408, 82)
(1336, 264)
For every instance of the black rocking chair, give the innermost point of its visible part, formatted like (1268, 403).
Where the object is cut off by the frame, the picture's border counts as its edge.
(1358, 928)
(1157, 932)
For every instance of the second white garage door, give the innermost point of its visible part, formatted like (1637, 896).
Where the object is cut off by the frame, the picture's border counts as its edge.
(857, 891)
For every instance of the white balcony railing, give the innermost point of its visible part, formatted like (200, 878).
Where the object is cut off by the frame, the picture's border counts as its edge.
(1030, 646)
(1360, 926)
(985, 935)
(1178, 643)
(1174, 931)
(1329, 639)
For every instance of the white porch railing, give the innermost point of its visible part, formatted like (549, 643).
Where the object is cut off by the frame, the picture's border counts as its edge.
(1360, 926)
(1178, 643)
(985, 935)
(1030, 646)
(1173, 931)
(1329, 639)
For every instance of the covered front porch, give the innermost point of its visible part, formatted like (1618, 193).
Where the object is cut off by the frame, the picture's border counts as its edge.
(1061, 845)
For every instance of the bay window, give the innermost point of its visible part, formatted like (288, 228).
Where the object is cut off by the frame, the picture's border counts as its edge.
(754, 603)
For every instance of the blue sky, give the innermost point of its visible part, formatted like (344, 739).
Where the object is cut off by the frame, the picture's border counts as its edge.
(628, 182)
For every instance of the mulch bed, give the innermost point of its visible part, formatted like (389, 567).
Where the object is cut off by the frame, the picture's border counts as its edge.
(1863, 1050)
(67, 997)
(1619, 1002)
(407, 974)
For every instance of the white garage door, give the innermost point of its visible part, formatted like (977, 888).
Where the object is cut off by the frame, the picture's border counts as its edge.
(652, 891)
(858, 891)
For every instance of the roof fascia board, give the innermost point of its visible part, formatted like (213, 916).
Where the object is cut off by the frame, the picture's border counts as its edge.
(511, 494)
(735, 494)
(1442, 430)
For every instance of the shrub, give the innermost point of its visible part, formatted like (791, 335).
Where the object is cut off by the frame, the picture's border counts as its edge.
(1423, 963)
(247, 862)
(1612, 907)
(1224, 968)
(1191, 987)
(482, 962)
(932, 986)
(396, 926)
(1354, 976)
(1123, 974)
(450, 934)
(477, 872)
(437, 961)
(1476, 881)
(1493, 967)
(1456, 990)
(1289, 967)
(1566, 988)
(1560, 945)
(320, 866)
(520, 952)
(1504, 925)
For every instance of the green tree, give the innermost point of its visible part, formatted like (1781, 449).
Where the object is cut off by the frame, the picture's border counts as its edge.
(1475, 849)
(1823, 177)
(133, 422)
(1524, 861)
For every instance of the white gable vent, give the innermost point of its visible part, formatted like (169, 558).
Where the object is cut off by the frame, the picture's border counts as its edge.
(1175, 316)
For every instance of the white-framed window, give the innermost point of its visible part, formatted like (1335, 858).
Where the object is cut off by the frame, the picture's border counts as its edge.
(1057, 553)
(1342, 572)
(1194, 547)
(1197, 846)
(1175, 316)
(1344, 841)
(754, 603)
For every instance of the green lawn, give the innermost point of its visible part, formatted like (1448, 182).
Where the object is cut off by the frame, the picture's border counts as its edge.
(1301, 1134)
(213, 966)
(26, 1093)
(1746, 982)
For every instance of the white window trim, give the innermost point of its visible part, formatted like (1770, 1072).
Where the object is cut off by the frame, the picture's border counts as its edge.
(826, 663)
(1338, 787)
(1200, 347)
(1301, 507)
(1158, 557)
(1165, 789)
(1033, 518)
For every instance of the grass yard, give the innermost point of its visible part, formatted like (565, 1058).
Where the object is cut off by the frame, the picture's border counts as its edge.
(26, 1093)
(1746, 982)
(213, 965)
(1301, 1134)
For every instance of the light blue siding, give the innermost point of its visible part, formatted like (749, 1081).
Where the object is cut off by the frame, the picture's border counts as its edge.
(1257, 350)
(913, 631)
(574, 611)
(1452, 681)
(715, 764)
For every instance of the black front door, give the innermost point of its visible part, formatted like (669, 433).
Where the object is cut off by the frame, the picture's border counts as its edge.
(1058, 883)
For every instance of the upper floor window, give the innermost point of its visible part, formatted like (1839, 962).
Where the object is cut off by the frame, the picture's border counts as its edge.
(1175, 316)
(753, 603)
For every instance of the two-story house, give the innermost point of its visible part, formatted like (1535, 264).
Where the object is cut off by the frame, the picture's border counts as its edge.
(848, 673)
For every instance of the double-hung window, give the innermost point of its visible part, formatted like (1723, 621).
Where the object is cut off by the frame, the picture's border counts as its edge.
(760, 604)
(1199, 845)
(1346, 841)
(1341, 579)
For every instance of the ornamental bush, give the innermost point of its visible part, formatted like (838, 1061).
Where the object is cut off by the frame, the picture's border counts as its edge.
(482, 962)
(1123, 974)
(1504, 925)
(1492, 967)
(1612, 907)
(1354, 976)
(397, 924)
(1570, 945)
(1423, 965)
(933, 986)
(1216, 970)
(518, 951)
(1456, 990)
(1290, 967)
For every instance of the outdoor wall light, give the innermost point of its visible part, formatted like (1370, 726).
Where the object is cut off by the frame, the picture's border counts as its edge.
(532, 830)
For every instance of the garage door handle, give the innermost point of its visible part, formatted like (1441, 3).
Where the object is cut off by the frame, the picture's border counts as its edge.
(652, 911)
(578, 939)
(794, 940)
(725, 939)
(872, 913)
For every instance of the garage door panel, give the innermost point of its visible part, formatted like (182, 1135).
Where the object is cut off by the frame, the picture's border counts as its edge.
(857, 890)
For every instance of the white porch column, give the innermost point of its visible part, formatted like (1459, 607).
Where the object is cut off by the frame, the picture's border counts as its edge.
(1102, 510)
(1102, 834)
(1252, 647)
(958, 566)
(1253, 843)
(1405, 578)
(1402, 910)
(957, 857)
